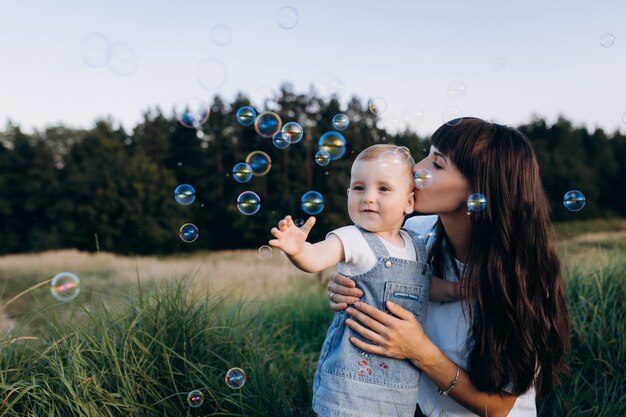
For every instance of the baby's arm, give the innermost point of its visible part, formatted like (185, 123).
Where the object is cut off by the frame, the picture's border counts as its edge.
(291, 239)
(442, 290)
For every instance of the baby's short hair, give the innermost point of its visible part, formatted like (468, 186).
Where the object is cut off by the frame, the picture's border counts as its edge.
(375, 151)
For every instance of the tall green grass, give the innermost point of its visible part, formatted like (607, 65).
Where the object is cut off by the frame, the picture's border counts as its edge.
(143, 358)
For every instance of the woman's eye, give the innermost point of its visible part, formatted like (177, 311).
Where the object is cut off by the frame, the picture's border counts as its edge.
(436, 165)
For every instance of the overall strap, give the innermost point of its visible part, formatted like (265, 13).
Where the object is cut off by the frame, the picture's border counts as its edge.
(420, 250)
(372, 239)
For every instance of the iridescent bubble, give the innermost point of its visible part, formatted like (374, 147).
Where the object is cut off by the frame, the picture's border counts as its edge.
(312, 202)
(393, 159)
(574, 200)
(246, 115)
(456, 90)
(328, 84)
(192, 112)
(123, 59)
(281, 140)
(500, 64)
(65, 286)
(322, 158)
(423, 178)
(95, 50)
(259, 162)
(212, 73)
(452, 115)
(235, 378)
(248, 203)
(413, 115)
(377, 105)
(334, 143)
(242, 172)
(299, 222)
(185, 194)
(195, 398)
(607, 40)
(267, 124)
(221, 35)
(265, 252)
(287, 17)
(476, 202)
(340, 121)
(188, 232)
(294, 131)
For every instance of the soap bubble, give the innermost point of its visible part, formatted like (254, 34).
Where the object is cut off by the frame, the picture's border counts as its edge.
(299, 222)
(185, 194)
(340, 121)
(242, 172)
(195, 398)
(246, 116)
(607, 40)
(65, 286)
(192, 112)
(265, 252)
(123, 59)
(334, 143)
(281, 140)
(260, 162)
(322, 158)
(328, 84)
(188, 233)
(574, 200)
(476, 202)
(221, 35)
(423, 178)
(287, 17)
(212, 73)
(452, 115)
(267, 124)
(248, 203)
(235, 378)
(294, 131)
(377, 105)
(457, 90)
(95, 50)
(395, 158)
(312, 202)
(413, 115)
(500, 64)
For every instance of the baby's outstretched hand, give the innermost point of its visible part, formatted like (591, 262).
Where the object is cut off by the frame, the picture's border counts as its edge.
(289, 237)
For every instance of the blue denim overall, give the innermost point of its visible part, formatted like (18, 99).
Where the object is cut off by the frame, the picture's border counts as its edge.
(350, 382)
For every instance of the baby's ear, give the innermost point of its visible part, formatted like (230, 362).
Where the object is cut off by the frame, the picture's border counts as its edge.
(410, 207)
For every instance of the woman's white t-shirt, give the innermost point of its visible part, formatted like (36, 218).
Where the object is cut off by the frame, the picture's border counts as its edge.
(447, 326)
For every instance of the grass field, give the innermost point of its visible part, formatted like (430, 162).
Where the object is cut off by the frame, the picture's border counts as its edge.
(144, 332)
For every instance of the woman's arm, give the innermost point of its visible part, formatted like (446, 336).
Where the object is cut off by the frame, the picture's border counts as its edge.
(402, 337)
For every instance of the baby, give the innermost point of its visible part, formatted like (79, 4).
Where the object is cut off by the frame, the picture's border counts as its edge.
(387, 263)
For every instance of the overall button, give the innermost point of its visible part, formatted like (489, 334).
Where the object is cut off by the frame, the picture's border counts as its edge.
(388, 264)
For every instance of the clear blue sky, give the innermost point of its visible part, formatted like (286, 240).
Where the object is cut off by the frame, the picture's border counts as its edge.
(407, 52)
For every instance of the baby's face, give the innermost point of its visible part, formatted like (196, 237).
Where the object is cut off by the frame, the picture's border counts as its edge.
(380, 195)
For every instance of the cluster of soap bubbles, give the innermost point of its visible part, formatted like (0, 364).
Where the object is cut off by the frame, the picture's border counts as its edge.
(235, 378)
(97, 51)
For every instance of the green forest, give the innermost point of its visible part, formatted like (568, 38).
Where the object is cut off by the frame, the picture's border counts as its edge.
(108, 189)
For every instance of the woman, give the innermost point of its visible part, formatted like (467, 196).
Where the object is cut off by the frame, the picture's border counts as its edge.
(504, 343)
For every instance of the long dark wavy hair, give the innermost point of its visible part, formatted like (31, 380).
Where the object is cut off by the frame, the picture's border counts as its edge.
(512, 283)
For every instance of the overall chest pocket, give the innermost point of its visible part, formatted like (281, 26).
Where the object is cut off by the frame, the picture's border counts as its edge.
(409, 297)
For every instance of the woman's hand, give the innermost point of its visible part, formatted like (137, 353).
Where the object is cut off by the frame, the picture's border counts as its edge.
(400, 337)
(342, 291)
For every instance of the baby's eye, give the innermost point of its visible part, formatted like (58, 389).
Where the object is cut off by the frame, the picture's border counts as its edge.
(384, 188)
(357, 187)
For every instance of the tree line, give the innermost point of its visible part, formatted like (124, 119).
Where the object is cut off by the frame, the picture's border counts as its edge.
(108, 189)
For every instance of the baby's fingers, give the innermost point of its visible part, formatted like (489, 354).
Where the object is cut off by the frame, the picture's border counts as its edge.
(275, 232)
(274, 242)
(306, 227)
